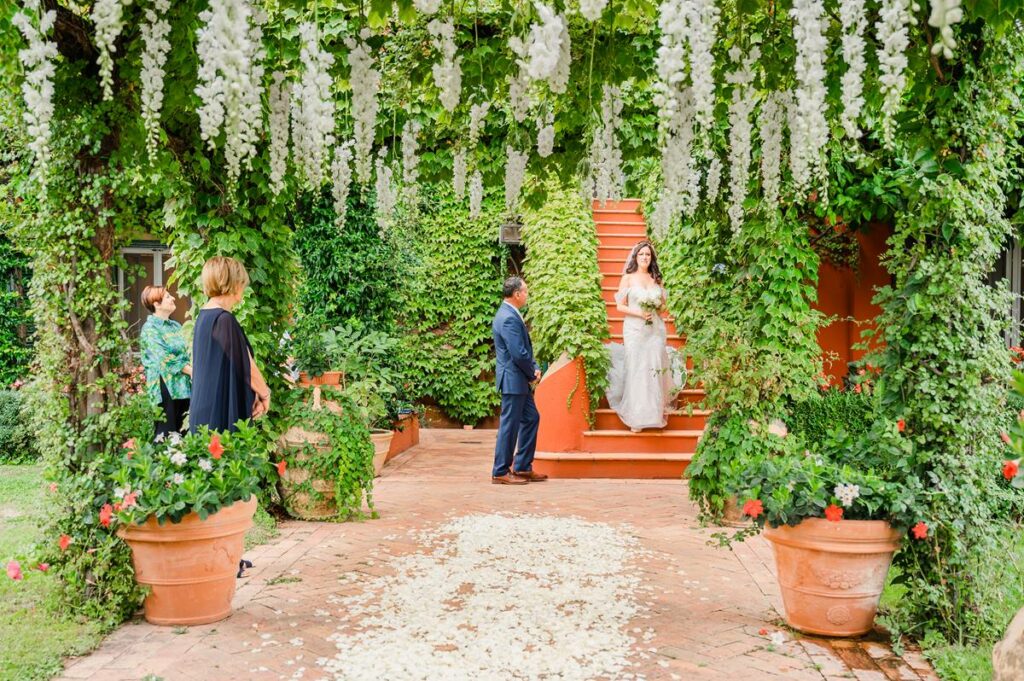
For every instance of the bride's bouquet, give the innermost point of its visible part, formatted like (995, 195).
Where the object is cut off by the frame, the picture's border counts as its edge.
(650, 301)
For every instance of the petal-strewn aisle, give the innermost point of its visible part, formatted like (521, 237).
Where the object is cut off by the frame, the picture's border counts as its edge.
(461, 579)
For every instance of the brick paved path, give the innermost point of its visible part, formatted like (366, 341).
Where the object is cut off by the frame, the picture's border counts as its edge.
(705, 605)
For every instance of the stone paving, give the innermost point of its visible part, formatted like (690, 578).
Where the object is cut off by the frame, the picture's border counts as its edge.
(707, 606)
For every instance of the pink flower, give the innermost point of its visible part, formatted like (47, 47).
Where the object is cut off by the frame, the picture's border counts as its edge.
(43, 567)
(129, 500)
(920, 531)
(53, 487)
(1004, 437)
(14, 570)
(834, 513)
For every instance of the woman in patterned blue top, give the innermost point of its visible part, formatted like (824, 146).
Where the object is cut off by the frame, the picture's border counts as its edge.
(166, 360)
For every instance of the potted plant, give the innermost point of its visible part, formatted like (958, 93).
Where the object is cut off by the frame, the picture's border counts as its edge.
(1008, 654)
(308, 352)
(184, 505)
(326, 457)
(835, 510)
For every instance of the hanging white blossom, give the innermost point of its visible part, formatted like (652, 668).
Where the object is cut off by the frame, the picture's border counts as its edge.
(515, 173)
(680, 179)
(230, 80)
(365, 82)
(944, 14)
(476, 194)
(714, 182)
(853, 16)
(410, 161)
(702, 36)
(108, 20)
(459, 173)
(670, 62)
(448, 73)
(519, 95)
(559, 79)
(545, 134)
(740, 108)
(688, 29)
(279, 96)
(541, 54)
(770, 124)
(892, 29)
(387, 199)
(427, 6)
(341, 175)
(592, 9)
(811, 45)
(312, 107)
(154, 55)
(37, 89)
(607, 178)
(477, 113)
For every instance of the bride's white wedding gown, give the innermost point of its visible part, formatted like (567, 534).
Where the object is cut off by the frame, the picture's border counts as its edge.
(645, 373)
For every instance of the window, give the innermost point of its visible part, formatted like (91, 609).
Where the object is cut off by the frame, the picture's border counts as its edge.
(1010, 268)
(147, 266)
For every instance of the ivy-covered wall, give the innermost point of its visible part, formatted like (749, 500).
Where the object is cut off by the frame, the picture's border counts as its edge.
(16, 326)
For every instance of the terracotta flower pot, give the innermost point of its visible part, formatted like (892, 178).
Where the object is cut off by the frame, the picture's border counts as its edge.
(832, 574)
(301, 504)
(381, 447)
(326, 378)
(190, 566)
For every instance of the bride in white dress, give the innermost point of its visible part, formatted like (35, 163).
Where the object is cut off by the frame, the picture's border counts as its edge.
(643, 379)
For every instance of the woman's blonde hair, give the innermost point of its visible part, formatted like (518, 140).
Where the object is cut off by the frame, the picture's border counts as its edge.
(223, 276)
(151, 295)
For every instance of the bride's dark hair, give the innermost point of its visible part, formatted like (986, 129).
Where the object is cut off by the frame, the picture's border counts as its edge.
(654, 270)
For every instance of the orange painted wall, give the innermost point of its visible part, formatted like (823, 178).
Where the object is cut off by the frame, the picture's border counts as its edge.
(847, 295)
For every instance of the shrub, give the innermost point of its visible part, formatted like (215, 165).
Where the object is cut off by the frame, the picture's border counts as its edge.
(16, 442)
(818, 418)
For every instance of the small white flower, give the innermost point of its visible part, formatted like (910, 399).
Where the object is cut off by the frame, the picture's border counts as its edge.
(427, 6)
(119, 492)
(944, 14)
(159, 437)
(592, 9)
(178, 478)
(174, 438)
(178, 458)
(778, 428)
(778, 638)
(206, 465)
(846, 493)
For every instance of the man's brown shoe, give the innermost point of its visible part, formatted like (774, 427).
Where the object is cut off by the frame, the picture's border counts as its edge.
(508, 479)
(530, 476)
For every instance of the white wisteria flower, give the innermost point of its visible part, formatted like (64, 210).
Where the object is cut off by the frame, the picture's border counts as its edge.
(387, 199)
(545, 134)
(559, 80)
(108, 20)
(577, 590)
(154, 55)
(230, 79)
(477, 114)
(515, 173)
(770, 125)
(740, 108)
(810, 92)
(944, 14)
(714, 180)
(37, 89)
(476, 194)
(519, 95)
(853, 15)
(365, 83)
(410, 161)
(427, 6)
(206, 465)
(894, 18)
(459, 173)
(670, 62)
(279, 96)
(680, 178)
(341, 174)
(607, 179)
(702, 37)
(312, 107)
(592, 9)
(542, 54)
(846, 493)
(448, 73)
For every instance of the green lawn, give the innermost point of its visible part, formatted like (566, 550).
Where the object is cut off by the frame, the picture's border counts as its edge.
(34, 641)
(1005, 575)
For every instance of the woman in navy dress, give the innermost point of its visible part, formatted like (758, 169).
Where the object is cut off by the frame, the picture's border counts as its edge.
(227, 386)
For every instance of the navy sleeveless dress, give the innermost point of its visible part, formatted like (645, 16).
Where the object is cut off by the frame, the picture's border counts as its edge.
(221, 390)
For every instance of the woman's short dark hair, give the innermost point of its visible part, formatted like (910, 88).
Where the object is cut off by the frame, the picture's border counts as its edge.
(512, 284)
(654, 270)
(151, 295)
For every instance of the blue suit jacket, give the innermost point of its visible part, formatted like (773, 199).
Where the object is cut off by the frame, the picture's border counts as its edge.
(514, 352)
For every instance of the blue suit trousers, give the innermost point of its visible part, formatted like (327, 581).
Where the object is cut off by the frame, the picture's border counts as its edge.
(519, 421)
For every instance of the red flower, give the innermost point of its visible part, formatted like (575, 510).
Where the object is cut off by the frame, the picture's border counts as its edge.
(856, 388)
(753, 507)
(105, 515)
(901, 425)
(834, 513)
(117, 507)
(1010, 469)
(65, 542)
(920, 531)
(216, 448)
(14, 570)
(762, 631)
(1004, 437)
(43, 567)
(281, 466)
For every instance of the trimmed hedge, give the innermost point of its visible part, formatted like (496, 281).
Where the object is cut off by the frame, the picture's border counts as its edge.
(17, 444)
(818, 418)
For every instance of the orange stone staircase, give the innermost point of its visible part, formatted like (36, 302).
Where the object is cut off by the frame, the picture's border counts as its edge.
(567, 445)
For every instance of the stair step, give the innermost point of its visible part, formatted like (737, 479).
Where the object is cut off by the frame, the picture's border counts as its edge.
(625, 226)
(622, 204)
(672, 340)
(661, 466)
(626, 240)
(678, 419)
(646, 442)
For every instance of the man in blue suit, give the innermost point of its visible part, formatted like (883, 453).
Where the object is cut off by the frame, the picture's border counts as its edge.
(516, 372)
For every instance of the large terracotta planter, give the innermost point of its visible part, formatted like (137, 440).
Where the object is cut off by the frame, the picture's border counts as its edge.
(832, 574)
(1008, 654)
(326, 378)
(381, 447)
(300, 503)
(190, 566)
(406, 435)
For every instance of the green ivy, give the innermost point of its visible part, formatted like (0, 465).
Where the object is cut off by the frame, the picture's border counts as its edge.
(17, 440)
(16, 328)
(566, 311)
